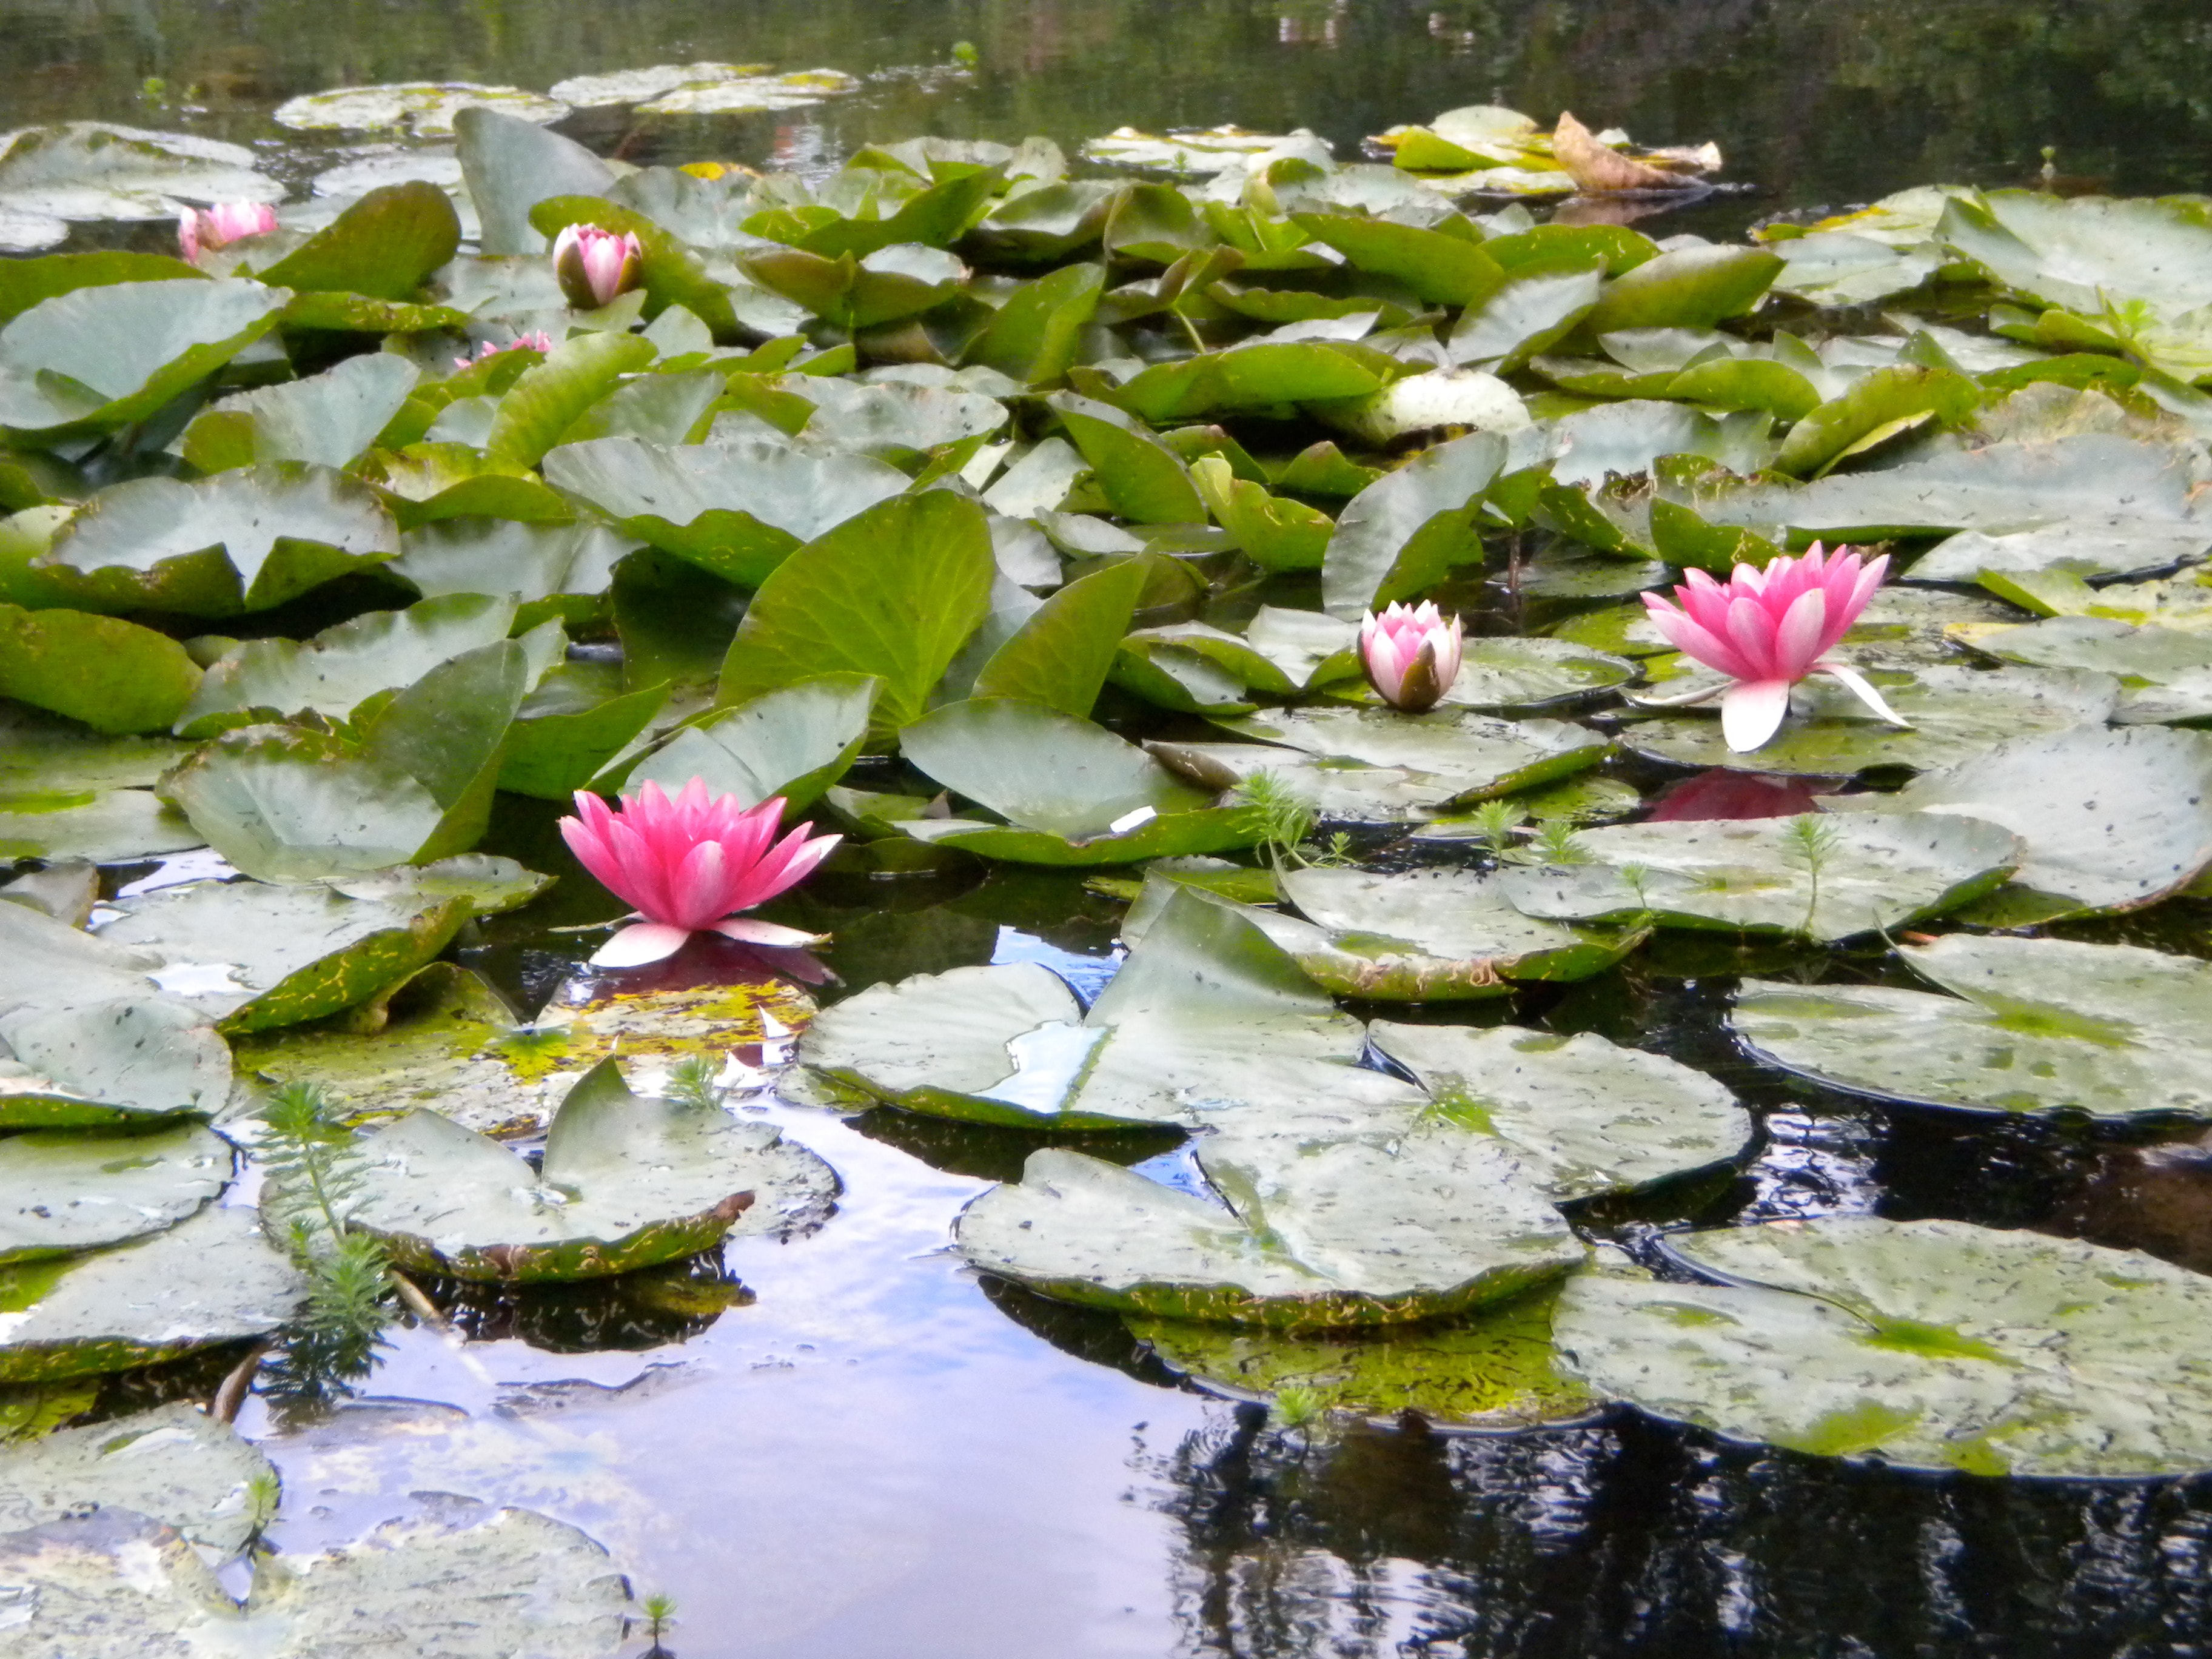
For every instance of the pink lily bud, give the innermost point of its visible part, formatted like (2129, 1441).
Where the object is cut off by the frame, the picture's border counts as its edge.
(224, 223)
(594, 265)
(1412, 655)
(687, 864)
(1767, 629)
(537, 341)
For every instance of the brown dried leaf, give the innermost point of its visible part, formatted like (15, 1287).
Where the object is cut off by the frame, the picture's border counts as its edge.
(1595, 168)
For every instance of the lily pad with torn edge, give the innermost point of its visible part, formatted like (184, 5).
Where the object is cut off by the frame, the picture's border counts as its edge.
(209, 1279)
(626, 1182)
(1584, 1116)
(1821, 875)
(115, 1585)
(174, 1464)
(2110, 820)
(1932, 1345)
(2033, 1025)
(1314, 1234)
(61, 1192)
(1956, 712)
(1208, 1023)
(1494, 1371)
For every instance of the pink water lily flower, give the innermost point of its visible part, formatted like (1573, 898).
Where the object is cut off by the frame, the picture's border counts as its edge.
(1411, 654)
(687, 864)
(538, 341)
(1767, 629)
(594, 265)
(224, 223)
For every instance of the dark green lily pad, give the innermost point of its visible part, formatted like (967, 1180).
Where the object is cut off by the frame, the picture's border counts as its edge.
(1826, 878)
(174, 1464)
(1405, 532)
(67, 1190)
(1932, 1345)
(795, 742)
(626, 1182)
(1496, 1370)
(113, 675)
(2034, 1025)
(210, 1278)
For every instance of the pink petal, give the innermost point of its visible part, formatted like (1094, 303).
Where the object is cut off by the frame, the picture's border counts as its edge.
(1752, 711)
(1801, 636)
(1750, 630)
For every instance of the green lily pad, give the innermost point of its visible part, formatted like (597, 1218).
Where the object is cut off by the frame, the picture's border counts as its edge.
(2165, 673)
(112, 826)
(422, 109)
(1584, 1116)
(1955, 713)
(1313, 1235)
(1428, 936)
(2110, 820)
(1825, 878)
(243, 539)
(1495, 1371)
(92, 170)
(795, 742)
(98, 358)
(210, 1278)
(2033, 1025)
(337, 670)
(253, 956)
(1932, 1345)
(173, 1464)
(752, 95)
(66, 1191)
(538, 563)
(1508, 674)
(115, 1585)
(626, 1182)
(101, 1049)
(1209, 1023)
(2074, 253)
(113, 675)
(1405, 532)
(328, 419)
(1465, 756)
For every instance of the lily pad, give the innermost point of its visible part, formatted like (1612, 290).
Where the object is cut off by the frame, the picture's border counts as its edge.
(254, 955)
(209, 1279)
(1465, 756)
(1497, 1370)
(1584, 1115)
(173, 1464)
(63, 1190)
(1312, 1234)
(111, 827)
(1932, 1345)
(102, 1049)
(1825, 878)
(626, 1182)
(91, 170)
(2110, 820)
(2034, 1025)
(795, 742)
(1956, 714)
(2165, 673)
(424, 109)
(120, 1586)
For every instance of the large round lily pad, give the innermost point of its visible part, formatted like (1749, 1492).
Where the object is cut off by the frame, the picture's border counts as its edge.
(1828, 877)
(115, 1585)
(1495, 1370)
(1481, 756)
(2110, 820)
(119, 1060)
(211, 1278)
(1318, 1234)
(1955, 713)
(2035, 1025)
(1925, 1344)
(174, 1464)
(1584, 1115)
(2166, 672)
(626, 1182)
(62, 1191)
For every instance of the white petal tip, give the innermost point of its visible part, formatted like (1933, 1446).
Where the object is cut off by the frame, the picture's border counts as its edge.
(638, 945)
(1129, 821)
(746, 931)
(1752, 711)
(1864, 691)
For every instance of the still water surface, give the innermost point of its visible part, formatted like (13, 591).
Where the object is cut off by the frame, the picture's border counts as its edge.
(846, 1447)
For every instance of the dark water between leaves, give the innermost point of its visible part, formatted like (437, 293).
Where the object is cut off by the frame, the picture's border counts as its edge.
(849, 1447)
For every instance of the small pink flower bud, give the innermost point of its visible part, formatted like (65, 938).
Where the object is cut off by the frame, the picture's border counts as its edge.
(594, 265)
(1412, 655)
(224, 223)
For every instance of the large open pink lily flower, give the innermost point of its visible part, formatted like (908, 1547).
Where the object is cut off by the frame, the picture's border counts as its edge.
(220, 225)
(1767, 629)
(688, 865)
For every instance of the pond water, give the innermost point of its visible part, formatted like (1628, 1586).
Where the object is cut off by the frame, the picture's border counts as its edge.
(847, 1446)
